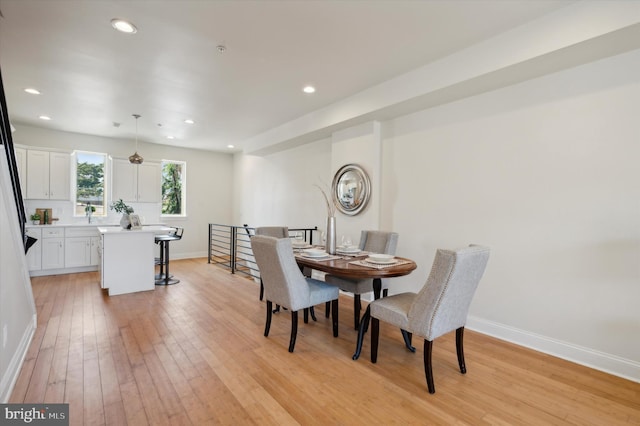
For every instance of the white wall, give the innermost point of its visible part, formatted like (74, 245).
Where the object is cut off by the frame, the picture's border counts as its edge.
(544, 172)
(359, 145)
(208, 176)
(279, 189)
(17, 308)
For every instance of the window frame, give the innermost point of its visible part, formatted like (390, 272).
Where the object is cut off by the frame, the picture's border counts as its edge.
(105, 174)
(183, 189)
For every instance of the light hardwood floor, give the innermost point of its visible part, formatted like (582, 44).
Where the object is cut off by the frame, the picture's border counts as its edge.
(194, 353)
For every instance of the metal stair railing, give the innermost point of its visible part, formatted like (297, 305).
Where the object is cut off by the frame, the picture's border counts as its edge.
(230, 247)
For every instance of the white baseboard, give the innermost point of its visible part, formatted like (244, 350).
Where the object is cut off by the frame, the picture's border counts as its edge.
(189, 255)
(607, 363)
(11, 376)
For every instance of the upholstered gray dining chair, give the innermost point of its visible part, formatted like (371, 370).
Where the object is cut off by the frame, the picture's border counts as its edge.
(285, 285)
(441, 305)
(271, 231)
(373, 242)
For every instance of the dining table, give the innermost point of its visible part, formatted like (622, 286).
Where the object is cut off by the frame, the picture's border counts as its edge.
(357, 266)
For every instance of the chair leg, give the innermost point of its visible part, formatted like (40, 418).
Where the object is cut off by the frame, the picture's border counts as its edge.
(267, 325)
(357, 306)
(428, 347)
(294, 330)
(407, 340)
(327, 309)
(305, 315)
(460, 349)
(334, 316)
(261, 289)
(312, 312)
(375, 333)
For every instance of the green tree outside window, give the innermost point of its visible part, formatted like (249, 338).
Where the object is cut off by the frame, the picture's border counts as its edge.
(172, 183)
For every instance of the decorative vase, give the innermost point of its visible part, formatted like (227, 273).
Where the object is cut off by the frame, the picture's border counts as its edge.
(331, 235)
(125, 222)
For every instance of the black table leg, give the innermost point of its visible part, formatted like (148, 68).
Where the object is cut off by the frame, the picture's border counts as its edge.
(364, 325)
(377, 288)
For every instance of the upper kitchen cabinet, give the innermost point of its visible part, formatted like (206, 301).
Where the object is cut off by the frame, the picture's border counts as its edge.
(136, 182)
(48, 175)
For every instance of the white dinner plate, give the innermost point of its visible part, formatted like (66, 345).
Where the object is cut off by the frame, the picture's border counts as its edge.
(300, 246)
(349, 253)
(315, 253)
(324, 256)
(381, 261)
(349, 249)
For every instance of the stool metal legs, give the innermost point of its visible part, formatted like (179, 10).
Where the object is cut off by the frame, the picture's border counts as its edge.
(164, 278)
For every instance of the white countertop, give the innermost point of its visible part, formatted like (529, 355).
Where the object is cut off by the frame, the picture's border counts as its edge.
(81, 225)
(120, 230)
(72, 225)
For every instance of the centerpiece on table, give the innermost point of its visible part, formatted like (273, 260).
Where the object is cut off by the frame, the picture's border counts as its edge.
(120, 207)
(330, 244)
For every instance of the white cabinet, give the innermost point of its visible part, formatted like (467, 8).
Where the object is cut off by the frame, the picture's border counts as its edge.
(63, 249)
(95, 251)
(48, 175)
(77, 251)
(34, 255)
(127, 259)
(52, 248)
(136, 182)
(80, 247)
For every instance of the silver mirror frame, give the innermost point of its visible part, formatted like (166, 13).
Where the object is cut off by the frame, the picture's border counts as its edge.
(351, 189)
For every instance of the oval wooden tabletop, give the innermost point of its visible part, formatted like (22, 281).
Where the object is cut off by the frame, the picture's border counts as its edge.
(344, 267)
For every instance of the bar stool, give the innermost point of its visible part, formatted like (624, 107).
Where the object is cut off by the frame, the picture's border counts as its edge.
(164, 278)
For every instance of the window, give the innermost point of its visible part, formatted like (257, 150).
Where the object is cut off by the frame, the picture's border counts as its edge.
(173, 188)
(90, 171)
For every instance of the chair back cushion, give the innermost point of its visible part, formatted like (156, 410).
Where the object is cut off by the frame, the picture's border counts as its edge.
(443, 303)
(283, 282)
(273, 231)
(379, 241)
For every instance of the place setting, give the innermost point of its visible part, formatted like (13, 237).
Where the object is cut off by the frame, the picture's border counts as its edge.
(379, 261)
(352, 251)
(300, 244)
(316, 254)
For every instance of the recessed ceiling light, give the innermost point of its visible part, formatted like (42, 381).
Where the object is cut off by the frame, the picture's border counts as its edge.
(44, 117)
(123, 26)
(189, 121)
(309, 89)
(171, 137)
(32, 91)
(230, 146)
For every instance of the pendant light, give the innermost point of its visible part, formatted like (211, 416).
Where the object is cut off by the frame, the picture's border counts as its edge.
(136, 158)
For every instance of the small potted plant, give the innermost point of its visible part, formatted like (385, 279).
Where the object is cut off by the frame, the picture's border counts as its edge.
(35, 218)
(120, 207)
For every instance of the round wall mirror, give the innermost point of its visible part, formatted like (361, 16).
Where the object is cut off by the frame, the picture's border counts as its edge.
(351, 189)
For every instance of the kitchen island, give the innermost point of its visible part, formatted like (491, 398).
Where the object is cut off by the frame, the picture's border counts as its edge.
(127, 258)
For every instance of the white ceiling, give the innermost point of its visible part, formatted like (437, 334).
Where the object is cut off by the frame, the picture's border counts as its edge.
(91, 76)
